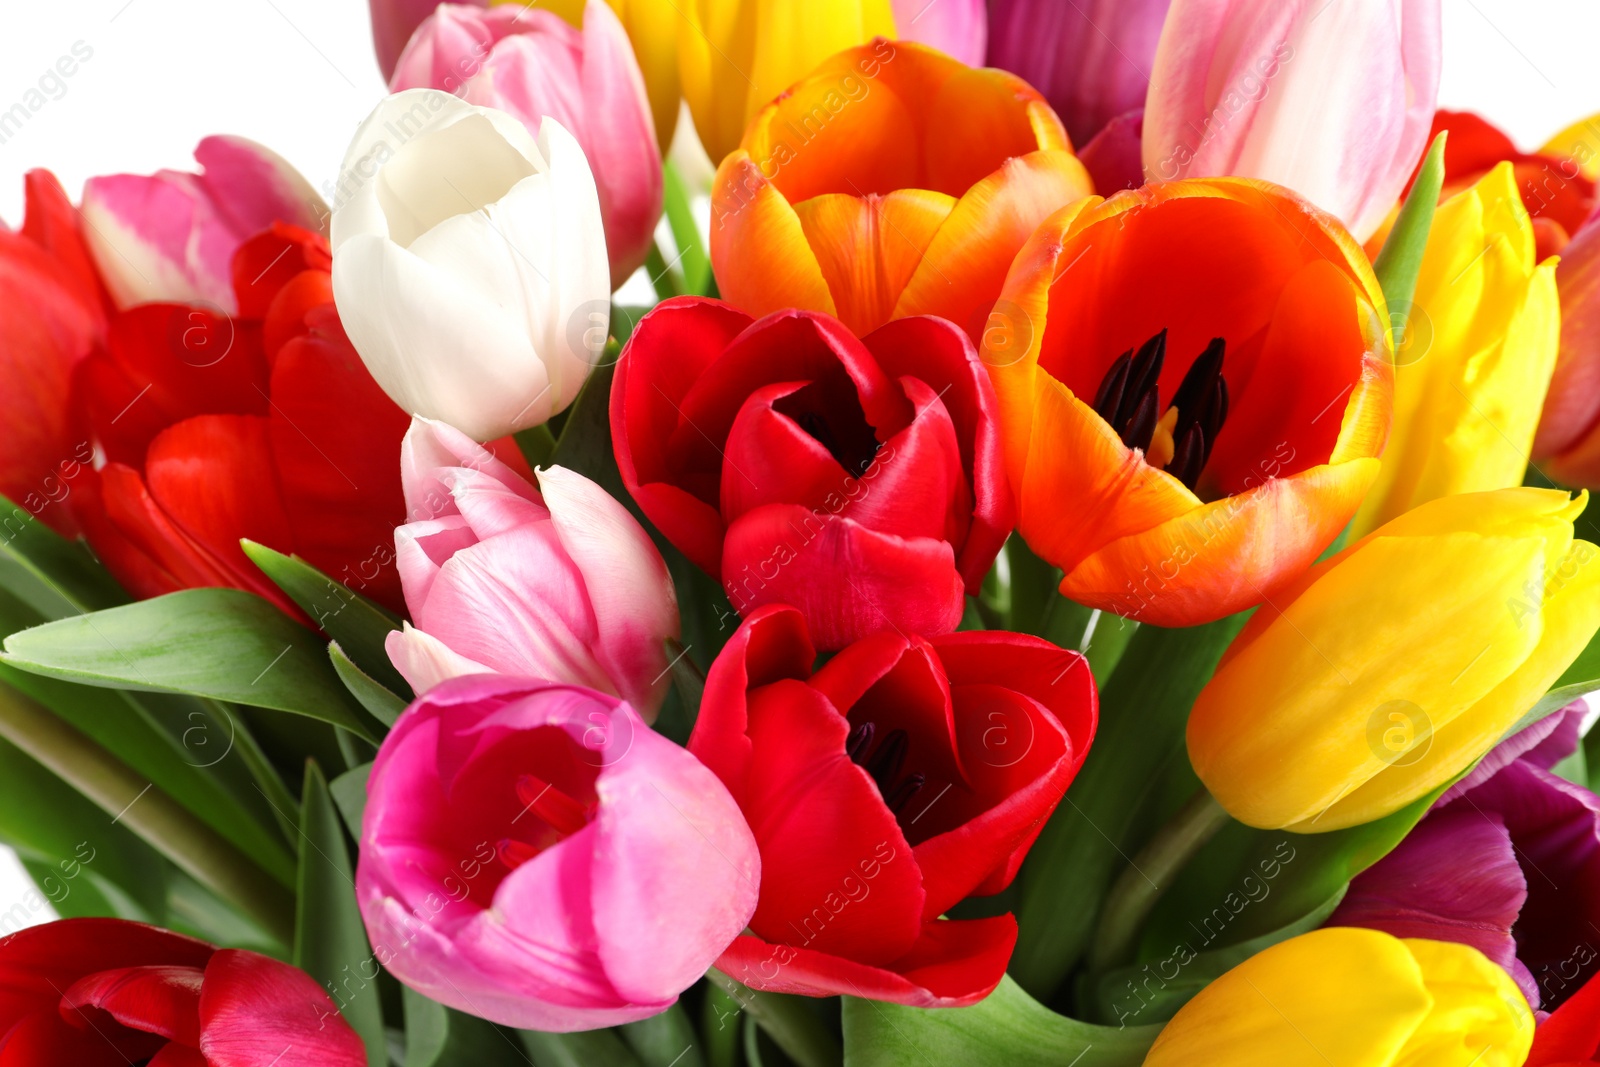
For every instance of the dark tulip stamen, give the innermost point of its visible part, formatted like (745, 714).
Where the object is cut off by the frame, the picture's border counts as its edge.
(902, 794)
(859, 741)
(1129, 401)
(888, 759)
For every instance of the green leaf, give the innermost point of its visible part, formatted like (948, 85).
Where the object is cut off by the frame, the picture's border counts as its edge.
(56, 828)
(1400, 260)
(1153, 991)
(590, 1048)
(437, 1036)
(1135, 776)
(330, 942)
(719, 1022)
(1006, 1029)
(693, 263)
(665, 1040)
(219, 643)
(585, 444)
(381, 703)
(358, 624)
(67, 568)
(350, 793)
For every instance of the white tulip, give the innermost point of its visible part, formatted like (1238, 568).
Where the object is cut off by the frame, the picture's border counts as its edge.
(469, 262)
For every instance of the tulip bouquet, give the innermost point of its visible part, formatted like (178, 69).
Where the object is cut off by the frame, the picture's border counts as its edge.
(1074, 560)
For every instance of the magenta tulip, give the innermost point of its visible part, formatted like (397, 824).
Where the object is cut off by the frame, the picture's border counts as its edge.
(502, 578)
(534, 854)
(170, 236)
(532, 64)
(393, 23)
(957, 28)
(1332, 100)
(1090, 58)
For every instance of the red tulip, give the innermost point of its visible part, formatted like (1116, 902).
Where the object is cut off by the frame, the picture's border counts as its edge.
(52, 313)
(1570, 1037)
(859, 480)
(107, 993)
(264, 427)
(903, 776)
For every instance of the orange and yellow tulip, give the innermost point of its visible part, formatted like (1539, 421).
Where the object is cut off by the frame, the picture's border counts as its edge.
(1195, 380)
(891, 181)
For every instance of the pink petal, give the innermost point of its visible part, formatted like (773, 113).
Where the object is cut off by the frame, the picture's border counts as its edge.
(424, 661)
(956, 27)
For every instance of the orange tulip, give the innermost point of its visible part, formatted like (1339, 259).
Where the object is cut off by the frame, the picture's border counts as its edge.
(891, 181)
(1195, 380)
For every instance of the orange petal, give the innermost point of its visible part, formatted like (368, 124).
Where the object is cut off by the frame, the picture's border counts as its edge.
(758, 247)
(868, 248)
(1225, 556)
(966, 264)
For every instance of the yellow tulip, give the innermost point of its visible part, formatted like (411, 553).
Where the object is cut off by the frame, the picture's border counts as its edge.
(736, 55)
(1474, 357)
(1391, 667)
(1353, 998)
(652, 27)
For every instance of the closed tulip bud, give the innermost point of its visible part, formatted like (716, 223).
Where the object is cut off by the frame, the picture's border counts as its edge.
(1357, 997)
(1473, 356)
(534, 65)
(1333, 101)
(1388, 669)
(171, 236)
(558, 582)
(736, 55)
(469, 262)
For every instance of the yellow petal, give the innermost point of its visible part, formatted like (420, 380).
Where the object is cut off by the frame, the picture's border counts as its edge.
(1579, 143)
(1482, 339)
(1479, 1015)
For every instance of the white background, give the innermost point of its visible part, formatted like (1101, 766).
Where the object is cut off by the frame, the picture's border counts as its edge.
(298, 75)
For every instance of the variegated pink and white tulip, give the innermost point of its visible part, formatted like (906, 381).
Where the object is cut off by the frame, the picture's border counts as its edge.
(532, 64)
(1332, 100)
(170, 236)
(557, 582)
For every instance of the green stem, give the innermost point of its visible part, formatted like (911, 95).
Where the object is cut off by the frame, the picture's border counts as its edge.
(1150, 874)
(538, 444)
(662, 276)
(788, 1021)
(665, 1040)
(165, 825)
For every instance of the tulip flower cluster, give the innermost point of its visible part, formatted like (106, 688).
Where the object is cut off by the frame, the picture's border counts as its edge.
(1093, 514)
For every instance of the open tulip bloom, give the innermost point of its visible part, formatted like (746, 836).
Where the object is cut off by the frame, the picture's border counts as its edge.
(1084, 558)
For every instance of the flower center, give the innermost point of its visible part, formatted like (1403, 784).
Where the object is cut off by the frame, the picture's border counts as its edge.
(884, 763)
(1180, 441)
(557, 810)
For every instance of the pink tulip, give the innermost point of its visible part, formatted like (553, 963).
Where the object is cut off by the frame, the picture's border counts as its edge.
(1332, 100)
(1090, 58)
(393, 23)
(170, 236)
(1567, 446)
(958, 28)
(499, 579)
(534, 854)
(530, 63)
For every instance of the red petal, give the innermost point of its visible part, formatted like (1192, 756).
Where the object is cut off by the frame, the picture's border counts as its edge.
(1571, 1035)
(952, 965)
(915, 486)
(37, 963)
(137, 571)
(670, 349)
(255, 1010)
(161, 1000)
(267, 262)
(144, 530)
(773, 461)
(167, 362)
(296, 303)
(940, 355)
(51, 222)
(44, 1040)
(849, 581)
(212, 475)
(772, 644)
(836, 872)
(176, 1055)
(336, 446)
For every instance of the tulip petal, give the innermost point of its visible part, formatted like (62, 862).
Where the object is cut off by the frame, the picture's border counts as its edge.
(151, 553)
(1571, 1035)
(952, 965)
(253, 1008)
(630, 592)
(847, 579)
(46, 1038)
(161, 1000)
(758, 244)
(424, 661)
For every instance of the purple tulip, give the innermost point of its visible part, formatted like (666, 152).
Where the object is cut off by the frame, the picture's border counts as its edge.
(1508, 861)
(1090, 58)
